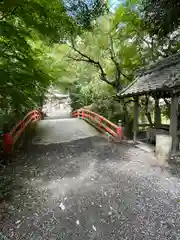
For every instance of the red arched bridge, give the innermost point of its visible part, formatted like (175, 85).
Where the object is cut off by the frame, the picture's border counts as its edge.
(94, 119)
(71, 182)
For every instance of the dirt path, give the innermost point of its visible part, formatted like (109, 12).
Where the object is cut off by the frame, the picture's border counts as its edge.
(90, 188)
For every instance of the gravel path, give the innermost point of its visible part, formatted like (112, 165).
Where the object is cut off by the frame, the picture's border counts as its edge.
(90, 189)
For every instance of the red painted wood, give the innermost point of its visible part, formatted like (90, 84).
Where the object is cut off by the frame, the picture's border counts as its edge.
(9, 139)
(100, 122)
(7, 143)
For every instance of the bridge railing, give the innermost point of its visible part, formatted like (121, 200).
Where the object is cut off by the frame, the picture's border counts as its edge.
(100, 122)
(10, 138)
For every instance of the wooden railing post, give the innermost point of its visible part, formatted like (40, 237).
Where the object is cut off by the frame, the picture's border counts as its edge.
(136, 115)
(119, 131)
(7, 143)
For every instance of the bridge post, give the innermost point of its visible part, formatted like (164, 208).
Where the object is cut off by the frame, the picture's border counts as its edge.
(7, 143)
(119, 130)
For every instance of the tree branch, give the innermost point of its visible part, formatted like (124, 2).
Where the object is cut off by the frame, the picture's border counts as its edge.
(78, 59)
(118, 72)
(9, 13)
(129, 101)
(113, 58)
(88, 59)
(149, 44)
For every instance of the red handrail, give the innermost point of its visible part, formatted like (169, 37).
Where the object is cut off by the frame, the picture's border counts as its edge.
(10, 138)
(100, 122)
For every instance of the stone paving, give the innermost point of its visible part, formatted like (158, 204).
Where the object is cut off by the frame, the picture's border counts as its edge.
(90, 188)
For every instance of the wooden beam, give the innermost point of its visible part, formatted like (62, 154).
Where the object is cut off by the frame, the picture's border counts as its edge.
(157, 113)
(174, 122)
(178, 127)
(136, 116)
(144, 125)
(149, 125)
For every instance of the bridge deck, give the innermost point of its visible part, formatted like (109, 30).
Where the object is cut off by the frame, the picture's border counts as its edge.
(63, 130)
(84, 187)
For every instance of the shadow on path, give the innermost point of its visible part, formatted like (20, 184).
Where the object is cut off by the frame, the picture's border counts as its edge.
(90, 189)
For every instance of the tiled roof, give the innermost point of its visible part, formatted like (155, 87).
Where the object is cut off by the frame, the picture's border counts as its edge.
(163, 75)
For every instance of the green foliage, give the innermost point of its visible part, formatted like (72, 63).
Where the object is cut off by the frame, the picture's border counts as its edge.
(133, 47)
(98, 96)
(26, 27)
(32, 50)
(85, 12)
(161, 16)
(90, 90)
(50, 20)
(42, 45)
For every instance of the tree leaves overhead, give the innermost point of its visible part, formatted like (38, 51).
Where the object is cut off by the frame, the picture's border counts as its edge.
(24, 69)
(62, 42)
(51, 20)
(110, 49)
(85, 11)
(162, 16)
(31, 31)
(119, 41)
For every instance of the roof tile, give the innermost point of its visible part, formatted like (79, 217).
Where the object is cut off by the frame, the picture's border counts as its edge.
(164, 74)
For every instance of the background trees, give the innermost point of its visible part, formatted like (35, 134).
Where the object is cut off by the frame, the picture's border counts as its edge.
(24, 77)
(162, 16)
(117, 46)
(79, 46)
(28, 62)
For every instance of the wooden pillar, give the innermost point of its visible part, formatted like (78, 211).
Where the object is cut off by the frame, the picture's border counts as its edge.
(174, 122)
(157, 113)
(178, 127)
(136, 116)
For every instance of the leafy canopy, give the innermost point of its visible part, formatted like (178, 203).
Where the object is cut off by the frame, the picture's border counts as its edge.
(118, 41)
(162, 16)
(28, 61)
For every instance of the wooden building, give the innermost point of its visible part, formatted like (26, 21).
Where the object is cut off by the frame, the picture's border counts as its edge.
(159, 80)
